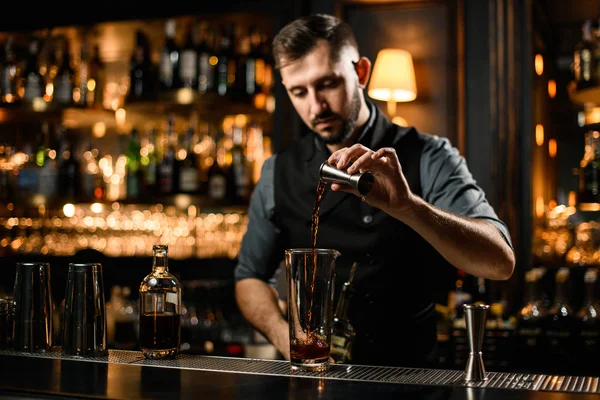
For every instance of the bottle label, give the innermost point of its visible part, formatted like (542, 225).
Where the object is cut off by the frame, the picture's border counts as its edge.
(206, 73)
(48, 179)
(188, 179)
(187, 68)
(166, 69)
(33, 87)
(63, 89)
(217, 187)
(530, 332)
(8, 82)
(338, 341)
(250, 76)
(166, 178)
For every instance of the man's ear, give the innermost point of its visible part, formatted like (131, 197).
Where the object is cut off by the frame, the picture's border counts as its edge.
(363, 70)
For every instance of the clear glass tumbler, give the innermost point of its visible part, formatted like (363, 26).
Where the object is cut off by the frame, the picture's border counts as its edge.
(310, 282)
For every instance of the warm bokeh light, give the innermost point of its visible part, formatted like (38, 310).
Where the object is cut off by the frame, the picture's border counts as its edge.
(99, 130)
(539, 64)
(69, 210)
(539, 207)
(552, 148)
(539, 134)
(572, 199)
(552, 88)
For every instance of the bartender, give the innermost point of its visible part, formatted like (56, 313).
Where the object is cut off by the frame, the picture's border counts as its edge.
(425, 206)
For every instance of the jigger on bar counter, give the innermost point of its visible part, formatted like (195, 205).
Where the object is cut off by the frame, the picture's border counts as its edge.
(363, 182)
(475, 316)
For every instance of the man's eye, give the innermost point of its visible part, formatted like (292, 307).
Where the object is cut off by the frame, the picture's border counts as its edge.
(299, 93)
(329, 84)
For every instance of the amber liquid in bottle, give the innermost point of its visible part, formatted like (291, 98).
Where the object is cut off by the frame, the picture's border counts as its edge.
(160, 309)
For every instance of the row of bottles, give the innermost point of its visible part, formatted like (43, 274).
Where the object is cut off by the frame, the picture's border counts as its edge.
(586, 57)
(227, 61)
(49, 72)
(556, 329)
(222, 164)
(206, 57)
(553, 334)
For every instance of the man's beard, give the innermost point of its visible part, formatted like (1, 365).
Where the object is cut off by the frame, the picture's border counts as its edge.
(348, 125)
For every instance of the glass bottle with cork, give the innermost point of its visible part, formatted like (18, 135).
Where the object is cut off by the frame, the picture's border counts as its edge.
(160, 309)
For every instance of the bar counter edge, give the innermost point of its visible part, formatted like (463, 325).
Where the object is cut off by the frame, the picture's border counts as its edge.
(127, 375)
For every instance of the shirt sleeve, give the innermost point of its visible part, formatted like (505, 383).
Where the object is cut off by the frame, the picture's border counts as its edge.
(258, 253)
(448, 184)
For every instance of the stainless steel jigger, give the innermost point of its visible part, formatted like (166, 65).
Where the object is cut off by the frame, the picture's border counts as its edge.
(363, 182)
(475, 316)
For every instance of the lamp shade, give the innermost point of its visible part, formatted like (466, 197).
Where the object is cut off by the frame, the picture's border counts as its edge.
(393, 77)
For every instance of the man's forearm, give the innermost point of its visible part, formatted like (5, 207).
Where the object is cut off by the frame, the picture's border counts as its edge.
(474, 246)
(260, 307)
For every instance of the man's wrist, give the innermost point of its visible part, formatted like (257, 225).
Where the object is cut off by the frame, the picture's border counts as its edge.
(409, 211)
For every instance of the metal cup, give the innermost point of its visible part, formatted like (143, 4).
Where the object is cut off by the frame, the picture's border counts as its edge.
(33, 319)
(475, 316)
(363, 182)
(84, 322)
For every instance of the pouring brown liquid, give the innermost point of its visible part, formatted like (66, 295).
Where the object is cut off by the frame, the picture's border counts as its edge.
(313, 347)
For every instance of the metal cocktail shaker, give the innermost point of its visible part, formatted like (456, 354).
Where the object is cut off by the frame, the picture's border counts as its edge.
(363, 182)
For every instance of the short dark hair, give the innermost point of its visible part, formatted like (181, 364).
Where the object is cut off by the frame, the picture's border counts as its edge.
(300, 36)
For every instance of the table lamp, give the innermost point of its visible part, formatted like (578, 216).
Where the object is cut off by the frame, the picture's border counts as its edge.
(393, 80)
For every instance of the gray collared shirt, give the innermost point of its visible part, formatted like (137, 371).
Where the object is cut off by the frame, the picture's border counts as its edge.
(446, 183)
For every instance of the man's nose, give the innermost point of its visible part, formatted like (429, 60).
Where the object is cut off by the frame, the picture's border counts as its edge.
(317, 104)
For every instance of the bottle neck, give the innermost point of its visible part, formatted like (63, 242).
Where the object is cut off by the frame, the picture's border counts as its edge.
(590, 292)
(160, 263)
(341, 311)
(560, 296)
(532, 292)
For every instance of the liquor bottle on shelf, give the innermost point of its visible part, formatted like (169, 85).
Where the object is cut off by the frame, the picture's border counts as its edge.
(585, 67)
(560, 327)
(133, 166)
(142, 74)
(33, 81)
(225, 62)
(150, 163)
(242, 177)
(189, 181)
(9, 73)
(589, 322)
(69, 170)
(49, 171)
(160, 309)
(589, 173)
(65, 77)
(169, 59)
(206, 60)
(217, 174)
(96, 80)
(82, 74)
(168, 174)
(188, 66)
(342, 333)
(529, 321)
